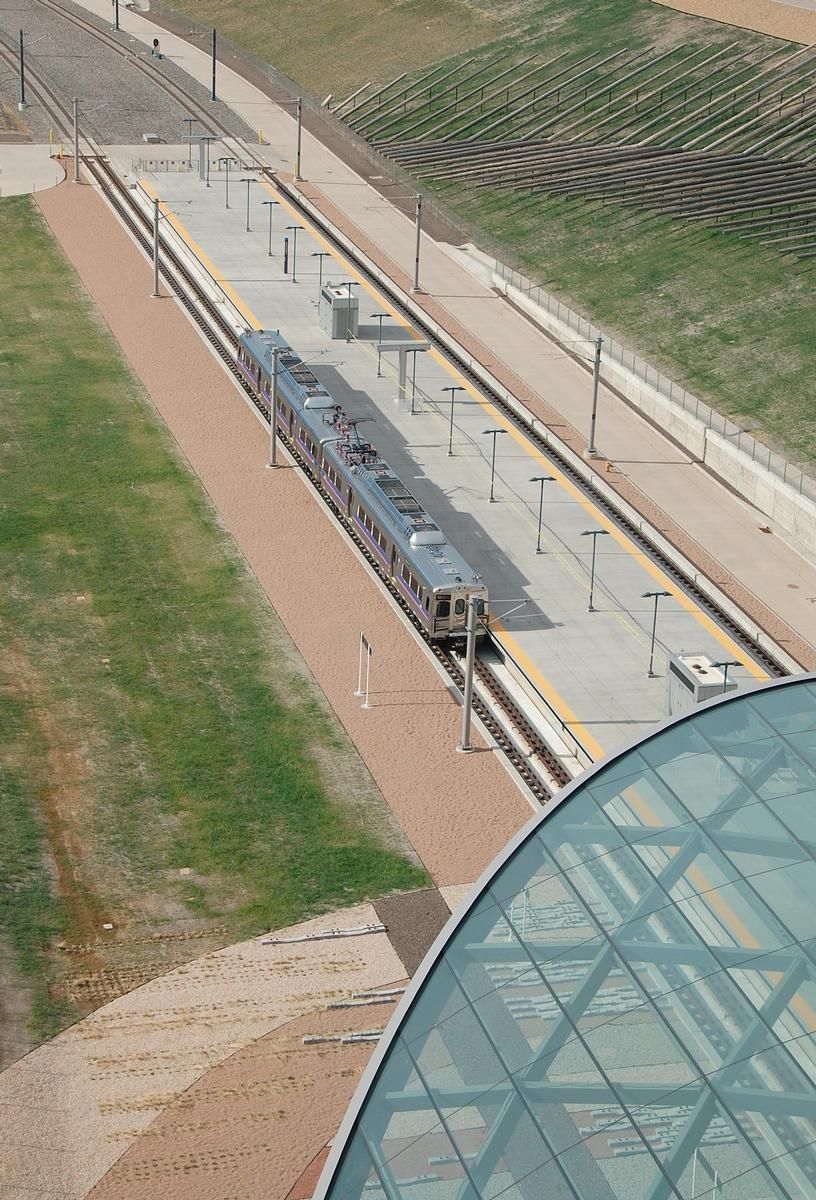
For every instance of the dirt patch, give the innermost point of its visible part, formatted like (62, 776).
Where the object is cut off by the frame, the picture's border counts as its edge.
(413, 920)
(773, 17)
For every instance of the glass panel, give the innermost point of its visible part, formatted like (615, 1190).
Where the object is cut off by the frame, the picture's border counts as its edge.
(788, 710)
(629, 1012)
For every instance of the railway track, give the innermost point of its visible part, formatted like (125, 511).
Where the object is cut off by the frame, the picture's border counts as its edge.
(761, 654)
(534, 761)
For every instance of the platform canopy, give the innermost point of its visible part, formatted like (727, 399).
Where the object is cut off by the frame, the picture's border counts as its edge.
(626, 1009)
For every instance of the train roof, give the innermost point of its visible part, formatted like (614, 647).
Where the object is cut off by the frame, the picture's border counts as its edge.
(261, 343)
(412, 528)
(390, 501)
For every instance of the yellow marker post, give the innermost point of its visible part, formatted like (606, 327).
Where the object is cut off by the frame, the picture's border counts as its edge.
(260, 137)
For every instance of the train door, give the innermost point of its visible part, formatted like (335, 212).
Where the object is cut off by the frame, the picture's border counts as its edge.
(441, 614)
(459, 615)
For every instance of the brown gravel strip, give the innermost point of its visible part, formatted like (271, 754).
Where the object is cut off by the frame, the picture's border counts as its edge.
(779, 19)
(457, 811)
(759, 612)
(413, 920)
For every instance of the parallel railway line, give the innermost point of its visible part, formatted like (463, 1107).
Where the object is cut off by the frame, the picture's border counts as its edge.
(526, 746)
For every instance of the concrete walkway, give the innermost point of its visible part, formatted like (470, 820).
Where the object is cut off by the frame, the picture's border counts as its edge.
(72, 1107)
(791, 20)
(27, 168)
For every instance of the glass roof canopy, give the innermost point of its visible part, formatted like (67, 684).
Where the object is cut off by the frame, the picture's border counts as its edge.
(628, 1007)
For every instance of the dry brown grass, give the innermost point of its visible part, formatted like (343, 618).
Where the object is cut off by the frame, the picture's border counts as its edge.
(331, 47)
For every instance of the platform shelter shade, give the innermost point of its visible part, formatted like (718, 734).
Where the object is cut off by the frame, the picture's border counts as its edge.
(626, 1009)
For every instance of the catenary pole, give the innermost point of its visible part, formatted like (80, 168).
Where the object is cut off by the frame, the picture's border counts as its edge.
(596, 375)
(76, 139)
(465, 746)
(22, 103)
(415, 285)
(156, 293)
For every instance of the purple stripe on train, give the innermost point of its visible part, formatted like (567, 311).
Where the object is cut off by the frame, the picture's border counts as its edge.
(333, 489)
(375, 546)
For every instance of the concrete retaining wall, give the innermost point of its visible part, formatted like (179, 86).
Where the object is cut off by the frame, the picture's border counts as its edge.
(795, 513)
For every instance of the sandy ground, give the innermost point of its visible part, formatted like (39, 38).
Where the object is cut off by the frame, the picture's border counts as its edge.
(71, 1108)
(457, 811)
(775, 17)
(254, 1125)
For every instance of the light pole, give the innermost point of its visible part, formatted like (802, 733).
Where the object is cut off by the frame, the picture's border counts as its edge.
(379, 317)
(270, 204)
(494, 434)
(320, 255)
(418, 221)
(591, 450)
(246, 179)
(228, 162)
(350, 283)
(116, 15)
(294, 230)
(656, 596)
(156, 293)
(212, 92)
(541, 480)
(594, 534)
(457, 387)
(732, 662)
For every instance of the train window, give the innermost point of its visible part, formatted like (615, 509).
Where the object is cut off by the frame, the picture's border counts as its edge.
(459, 607)
(443, 608)
(480, 607)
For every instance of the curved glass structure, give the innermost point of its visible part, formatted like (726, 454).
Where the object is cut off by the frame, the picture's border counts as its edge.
(628, 1007)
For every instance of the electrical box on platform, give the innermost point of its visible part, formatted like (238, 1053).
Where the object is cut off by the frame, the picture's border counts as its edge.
(339, 311)
(694, 678)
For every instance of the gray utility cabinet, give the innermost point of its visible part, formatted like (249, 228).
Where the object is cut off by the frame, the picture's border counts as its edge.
(339, 312)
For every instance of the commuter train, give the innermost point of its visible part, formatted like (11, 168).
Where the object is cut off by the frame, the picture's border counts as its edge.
(408, 546)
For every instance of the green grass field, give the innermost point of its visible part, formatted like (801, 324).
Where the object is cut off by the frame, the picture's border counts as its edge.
(728, 320)
(154, 769)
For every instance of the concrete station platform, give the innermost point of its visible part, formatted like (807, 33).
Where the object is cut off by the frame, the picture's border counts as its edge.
(591, 667)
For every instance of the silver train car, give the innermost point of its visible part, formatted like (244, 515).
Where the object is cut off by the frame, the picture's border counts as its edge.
(408, 546)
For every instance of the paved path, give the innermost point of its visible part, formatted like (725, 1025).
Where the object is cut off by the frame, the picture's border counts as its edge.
(27, 168)
(791, 20)
(72, 1107)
